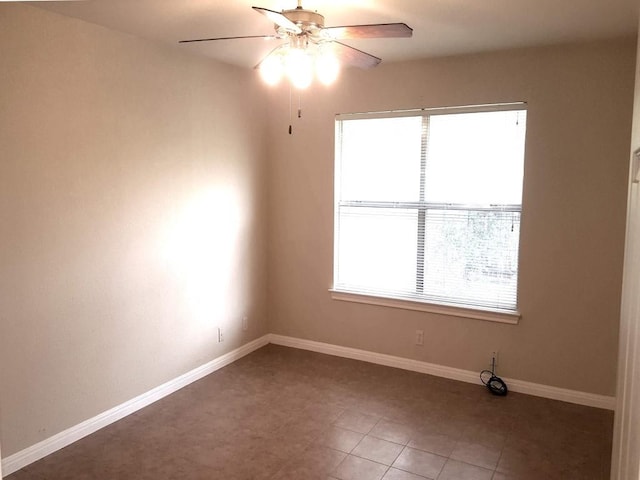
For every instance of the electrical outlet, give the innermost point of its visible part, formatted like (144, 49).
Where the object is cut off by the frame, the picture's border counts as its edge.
(245, 323)
(220, 335)
(494, 358)
(419, 337)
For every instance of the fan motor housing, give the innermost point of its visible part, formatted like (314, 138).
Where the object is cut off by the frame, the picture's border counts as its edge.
(306, 19)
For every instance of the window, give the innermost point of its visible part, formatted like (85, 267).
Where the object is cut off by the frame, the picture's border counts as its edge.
(428, 205)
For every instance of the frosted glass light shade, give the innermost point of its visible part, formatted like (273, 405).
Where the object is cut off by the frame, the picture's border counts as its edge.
(299, 68)
(327, 68)
(271, 70)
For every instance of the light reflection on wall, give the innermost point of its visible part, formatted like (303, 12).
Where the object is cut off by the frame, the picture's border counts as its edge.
(201, 250)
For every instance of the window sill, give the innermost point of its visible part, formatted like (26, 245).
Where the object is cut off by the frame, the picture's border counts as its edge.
(499, 316)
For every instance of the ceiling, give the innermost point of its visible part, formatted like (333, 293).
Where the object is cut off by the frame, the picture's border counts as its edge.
(441, 27)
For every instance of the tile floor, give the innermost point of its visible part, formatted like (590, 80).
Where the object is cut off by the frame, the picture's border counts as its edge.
(281, 413)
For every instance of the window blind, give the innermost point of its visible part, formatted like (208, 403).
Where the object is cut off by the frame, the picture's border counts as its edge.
(428, 206)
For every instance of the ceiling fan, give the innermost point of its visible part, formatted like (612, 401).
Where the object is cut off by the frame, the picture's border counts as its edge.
(306, 41)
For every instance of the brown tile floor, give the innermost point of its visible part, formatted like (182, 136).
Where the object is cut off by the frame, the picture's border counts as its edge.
(282, 413)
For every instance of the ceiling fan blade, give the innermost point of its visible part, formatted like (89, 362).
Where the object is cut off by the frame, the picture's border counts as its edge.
(268, 37)
(379, 30)
(352, 56)
(279, 19)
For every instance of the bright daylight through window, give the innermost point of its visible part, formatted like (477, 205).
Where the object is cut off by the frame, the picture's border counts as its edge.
(428, 205)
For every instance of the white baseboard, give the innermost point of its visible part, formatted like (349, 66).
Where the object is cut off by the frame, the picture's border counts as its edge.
(21, 459)
(536, 389)
(40, 450)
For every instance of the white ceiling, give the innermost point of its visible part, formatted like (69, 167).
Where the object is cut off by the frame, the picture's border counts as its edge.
(441, 27)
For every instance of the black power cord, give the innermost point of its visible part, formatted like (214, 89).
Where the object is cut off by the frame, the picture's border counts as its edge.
(494, 383)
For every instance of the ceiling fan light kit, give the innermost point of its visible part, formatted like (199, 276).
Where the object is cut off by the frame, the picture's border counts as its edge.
(299, 65)
(312, 50)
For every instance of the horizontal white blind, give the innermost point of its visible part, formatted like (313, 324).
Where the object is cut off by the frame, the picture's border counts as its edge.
(493, 107)
(428, 208)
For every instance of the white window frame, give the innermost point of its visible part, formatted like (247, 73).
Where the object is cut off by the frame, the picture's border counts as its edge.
(465, 311)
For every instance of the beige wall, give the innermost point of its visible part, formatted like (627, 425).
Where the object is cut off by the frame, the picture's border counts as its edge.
(131, 206)
(578, 131)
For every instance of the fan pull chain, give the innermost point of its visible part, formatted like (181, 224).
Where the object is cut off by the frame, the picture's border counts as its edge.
(290, 127)
(291, 107)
